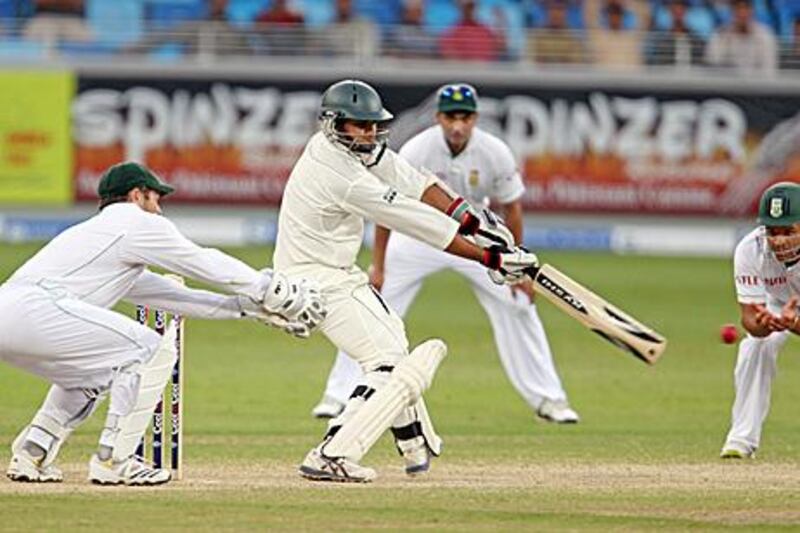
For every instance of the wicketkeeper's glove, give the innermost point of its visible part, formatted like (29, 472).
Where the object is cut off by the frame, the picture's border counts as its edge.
(296, 300)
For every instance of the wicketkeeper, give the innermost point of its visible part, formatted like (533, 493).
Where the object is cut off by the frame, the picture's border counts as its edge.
(347, 174)
(58, 323)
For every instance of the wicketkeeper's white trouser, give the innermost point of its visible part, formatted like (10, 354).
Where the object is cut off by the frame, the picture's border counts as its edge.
(520, 338)
(78, 347)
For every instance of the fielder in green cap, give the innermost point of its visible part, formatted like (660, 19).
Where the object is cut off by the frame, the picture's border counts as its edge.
(132, 182)
(766, 271)
(457, 114)
(59, 324)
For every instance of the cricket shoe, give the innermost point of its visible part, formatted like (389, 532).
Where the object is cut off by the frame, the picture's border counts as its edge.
(416, 455)
(319, 467)
(25, 468)
(132, 472)
(557, 411)
(327, 408)
(737, 451)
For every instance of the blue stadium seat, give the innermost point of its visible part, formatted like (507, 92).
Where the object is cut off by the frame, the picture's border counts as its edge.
(168, 13)
(244, 12)
(115, 23)
(317, 12)
(515, 20)
(385, 12)
(440, 15)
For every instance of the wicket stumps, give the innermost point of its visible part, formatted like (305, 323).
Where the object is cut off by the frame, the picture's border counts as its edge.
(175, 399)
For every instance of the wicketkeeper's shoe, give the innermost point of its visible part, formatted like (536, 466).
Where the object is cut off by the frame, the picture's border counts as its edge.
(557, 411)
(327, 408)
(319, 467)
(737, 451)
(416, 455)
(24, 468)
(132, 472)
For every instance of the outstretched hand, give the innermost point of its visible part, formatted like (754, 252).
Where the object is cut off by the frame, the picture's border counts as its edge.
(788, 318)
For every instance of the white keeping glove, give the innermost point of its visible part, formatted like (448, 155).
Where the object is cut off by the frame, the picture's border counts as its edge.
(509, 266)
(254, 310)
(492, 231)
(296, 300)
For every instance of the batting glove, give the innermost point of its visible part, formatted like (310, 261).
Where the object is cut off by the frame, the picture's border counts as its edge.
(509, 266)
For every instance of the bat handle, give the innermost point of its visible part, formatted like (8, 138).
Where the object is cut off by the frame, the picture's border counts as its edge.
(532, 272)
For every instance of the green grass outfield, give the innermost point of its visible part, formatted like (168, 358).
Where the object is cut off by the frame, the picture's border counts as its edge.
(643, 457)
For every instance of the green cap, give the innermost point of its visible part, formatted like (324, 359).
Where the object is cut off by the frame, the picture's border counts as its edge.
(457, 97)
(780, 205)
(123, 177)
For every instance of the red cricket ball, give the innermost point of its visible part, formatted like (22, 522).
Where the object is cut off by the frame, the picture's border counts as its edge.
(728, 333)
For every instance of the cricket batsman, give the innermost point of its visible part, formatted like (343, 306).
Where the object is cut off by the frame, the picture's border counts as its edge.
(767, 276)
(481, 168)
(347, 174)
(58, 323)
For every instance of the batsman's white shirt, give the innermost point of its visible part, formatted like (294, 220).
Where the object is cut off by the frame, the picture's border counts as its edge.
(57, 321)
(759, 279)
(485, 171)
(321, 228)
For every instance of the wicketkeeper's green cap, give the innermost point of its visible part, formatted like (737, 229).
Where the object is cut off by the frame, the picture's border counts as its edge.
(780, 205)
(121, 178)
(457, 97)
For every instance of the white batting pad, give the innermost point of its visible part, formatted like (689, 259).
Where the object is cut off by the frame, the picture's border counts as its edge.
(410, 378)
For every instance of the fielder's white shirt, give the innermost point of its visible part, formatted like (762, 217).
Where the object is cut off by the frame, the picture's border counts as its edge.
(484, 170)
(760, 278)
(329, 194)
(104, 259)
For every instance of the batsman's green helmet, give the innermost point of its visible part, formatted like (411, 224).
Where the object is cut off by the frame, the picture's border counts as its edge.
(123, 177)
(780, 205)
(353, 100)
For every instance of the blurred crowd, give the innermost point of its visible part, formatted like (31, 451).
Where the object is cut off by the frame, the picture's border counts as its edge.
(746, 36)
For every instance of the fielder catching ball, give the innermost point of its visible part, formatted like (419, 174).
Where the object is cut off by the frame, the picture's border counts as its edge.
(767, 274)
(58, 324)
(482, 169)
(347, 174)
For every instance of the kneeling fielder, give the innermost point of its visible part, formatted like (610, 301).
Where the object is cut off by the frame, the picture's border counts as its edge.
(767, 272)
(346, 174)
(57, 323)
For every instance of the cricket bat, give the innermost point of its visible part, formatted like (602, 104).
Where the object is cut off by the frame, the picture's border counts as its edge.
(600, 316)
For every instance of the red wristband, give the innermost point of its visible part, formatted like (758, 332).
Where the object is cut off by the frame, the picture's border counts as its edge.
(491, 259)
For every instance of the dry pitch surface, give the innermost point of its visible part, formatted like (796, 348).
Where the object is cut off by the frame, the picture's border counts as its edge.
(665, 496)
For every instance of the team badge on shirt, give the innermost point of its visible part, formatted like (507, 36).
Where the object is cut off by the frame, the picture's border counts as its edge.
(474, 178)
(776, 207)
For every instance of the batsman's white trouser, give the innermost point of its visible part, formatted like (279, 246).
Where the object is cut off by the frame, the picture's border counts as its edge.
(756, 366)
(520, 338)
(360, 323)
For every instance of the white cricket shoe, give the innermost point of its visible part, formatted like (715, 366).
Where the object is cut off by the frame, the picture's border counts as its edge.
(318, 467)
(737, 451)
(327, 408)
(131, 472)
(557, 411)
(24, 468)
(416, 456)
